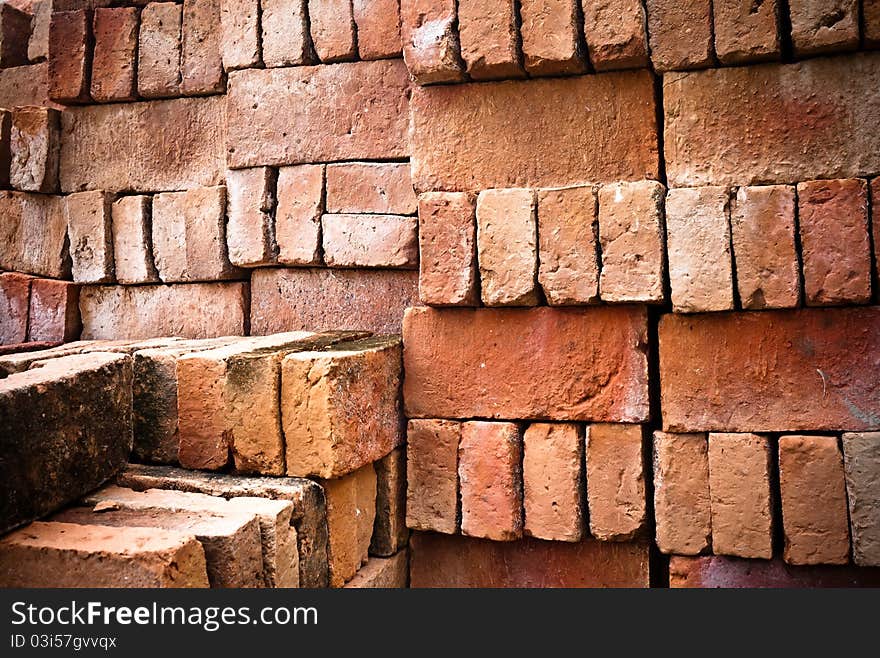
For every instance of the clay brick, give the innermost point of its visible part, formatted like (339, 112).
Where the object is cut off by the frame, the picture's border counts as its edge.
(616, 481)
(132, 239)
(351, 508)
(144, 147)
(333, 30)
(631, 233)
(680, 33)
(113, 63)
(875, 227)
(681, 493)
(443, 561)
(76, 411)
(320, 299)
(490, 472)
(368, 123)
(285, 32)
(189, 311)
(366, 187)
(739, 487)
(5, 146)
(378, 28)
(340, 408)
(728, 572)
(871, 23)
(198, 216)
(431, 47)
(814, 508)
(615, 34)
(820, 26)
(698, 248)
(778, 123)
(382, 573)
(90, 231)
(552, 472)
(762, 226)
(567, 247)
(15, 295)
(389, 241)
(26, 85)
(447, 249)
(35, 143)
(432, 475)
(33, 234)
(746, 32)
(300, 204)
(201, 65)
(250, 230)
(158, 69)
(488, 36)
(70, 56)
(15, 30)
(833, 222)
(390, 534)
(71, 555)
(773, 371)
(861, 455)
(550, 37)
(54, 311)
(586, 129)
(240, 33)
(507, 247)
(38, 45)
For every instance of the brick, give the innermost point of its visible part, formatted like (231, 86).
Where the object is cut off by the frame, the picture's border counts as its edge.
(861, 455)
(762, 226)
(300, 204)
(382, 573)
(340, 408)
(632, 236)
(77, 412)
(823, 27)
(507, 247)
(332, 29)
(871, 23)
(35, 143)
(70, 56)
(389, 241)
(779, 123)
(71, 555)
(447, 249)
(728, 572)
(488, 35)
(15, 30)
(158, 69)
(26, 85)
(369, 123)
(5, 146)
(586, 129)
(549, 30)
(33, 234)
(116, 45)
(54, 311)
(240, 33)
(250, 230)
(490, 472)
(199, 217)
(833, 222)
(16, 349)
(367, 187)
(681, 493)
(90, 231)
(432, 475)
(746, 33)
(616, 481)
(350, 517)
(875, 227)
(285, 36)
(320, 299)
(201, 65)
(567, 245)
(552, 472)
(698, 248)
(115, 147)
(431, 46)
(739, 486)
(132, 239)
(15, 295)
(378, 28)
(189, 311)
(615, 34)
(774, 371)
(38, 45)
(390, 534)
(443, 561)
(680, 34)
(813, 492)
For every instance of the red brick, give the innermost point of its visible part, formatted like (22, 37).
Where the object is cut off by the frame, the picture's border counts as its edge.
(351, 511)
(26, 85)
(390, 533)
(35, 143)
(680, 33)
(871, 23)
(746, 32)
(382, 573)
(333, 30)
(822, 26)
(370, 241)
(615, 33)
(113, 64)
(430, 41)
(432, 475)
(443, 561)
(447, 249)
(550, 37)
(378, 28)
(15, 30)
(158, 69)
(15, 294)
(285, 32)
(54, 311)
(861, 454)
(38, 45)
(90, 231)
(729, 572)
(366, 187)
(490, 472)
(616, 481)
(552, 481)
(542, 363)
(487, 32)
(875, 226)
(33, 234)
(300, 204)
(5, 146)
(250, 230)
(239, 33)
(133, 259)
(201, 65)
(833, 221)
(70, 56)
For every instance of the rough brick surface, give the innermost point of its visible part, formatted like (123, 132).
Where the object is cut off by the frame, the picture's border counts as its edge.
(430, 40)
(819, 26)
(680, 33)
(90, 231)
(875, 226)
(432, 475)
(447, 249)
(389, 241)
(250, 231)
(383, 573)
(728, 572)
(285, 35)
(861, 455)
(300, 204)
(378, 28)
(488, 37)
(239, 33)
(550, 37)
(26, 85)
(70, 56)
(33, 234)
(201, 65)
(746, 32)
(365, 187)
(15, 294)
(332, 27)
(615, 33)
(113, 63)
(390, 533)
(35, 143)
(5, 146)
(38, 45)
(54, 311)
(15, 29)
(158, 67)
(351, 511)
(132, 239)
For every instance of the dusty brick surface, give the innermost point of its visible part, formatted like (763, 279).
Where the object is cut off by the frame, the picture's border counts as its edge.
(861, 455)
(432, 475)
(250, 230)
(332, 27)
(430, 41)
(378, 28)
(366, 240)
(70, 56)
(90, 231)
(15, 294)
(746, 33)
(285, 35)
(15, 30)
(364, 187)
(33, 234)
(728, 572)
(132, 237)
(35, 143)
(113, 63)
(447, 249)
(351, 511)
(382, 573)
(390, 533)
(54, 311)
(487, 33)
(239, 33)
(201, 65)
(300, 203)
(615, 33)
(680, 34)
(819, 27)
(159, 39)
(549, 31)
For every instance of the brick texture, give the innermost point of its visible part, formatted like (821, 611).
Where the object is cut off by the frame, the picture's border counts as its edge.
(432, 475)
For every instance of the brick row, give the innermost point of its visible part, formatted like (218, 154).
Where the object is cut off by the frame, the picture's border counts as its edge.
(37, 310)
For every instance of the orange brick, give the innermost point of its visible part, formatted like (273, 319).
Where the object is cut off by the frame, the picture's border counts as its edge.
(550, 35)
(819, 26)
(616, 481)
(430, 41)
(201, 66)
(487, 29)
(447, 249)
(615, 33)
(116, 42)
(680, 33)
(432, 475)
(378, 28)
(332, 27)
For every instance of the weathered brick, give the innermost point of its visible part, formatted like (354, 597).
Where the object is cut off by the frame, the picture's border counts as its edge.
(132, 239)
(698, 248)
(390, 533)
(250, 230)
(351, 511)
(431, 47)
(729, 572)
(746, 32)
(70, 56)
(861, 455)
(285, 36)
(447, 249)
(836, 247)
(378, 28)
(488, 36)
(33, 234)
(15, 295)
(201, 64)
(113, 63)
(5, 146)
(54, 311)
(680, 33)
(550, 37)
(681, 493)
(389, 241)
(367, 187)
(35, 143)
(38, 45)
(813, 492)
(332, 28)
(875, 226)
(820, 26)
(90, 231)
(382, 573)
(615, 33)
(552, 472)
(158, 69)
(26, 85)
(432, 475)
(300, 204)
(871, 23)
(239, 33)
(586, 129)
(15, 30)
